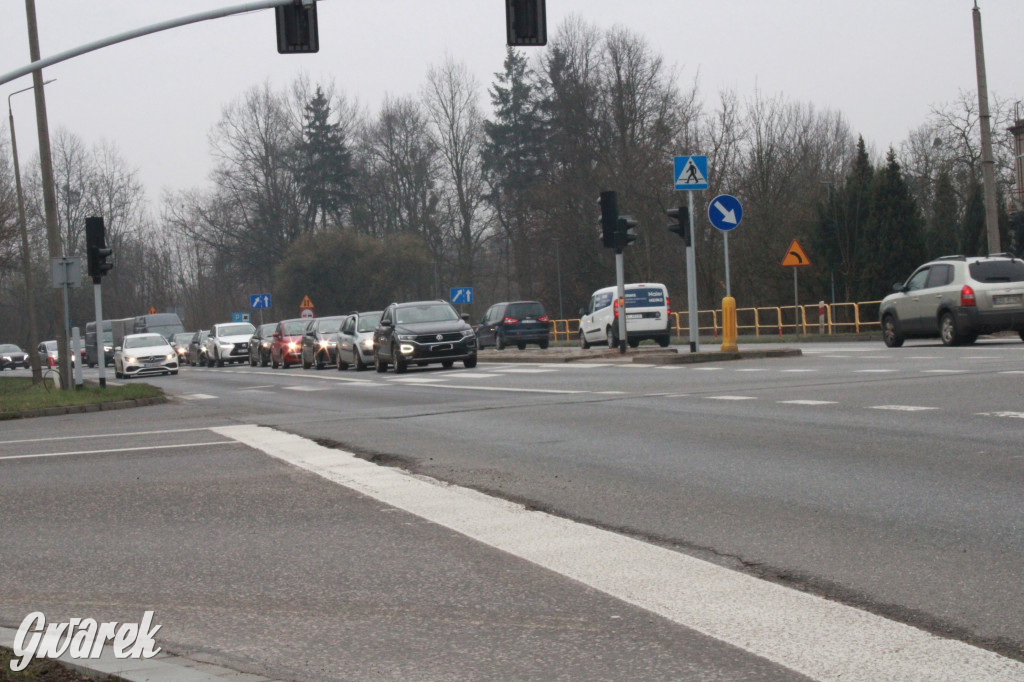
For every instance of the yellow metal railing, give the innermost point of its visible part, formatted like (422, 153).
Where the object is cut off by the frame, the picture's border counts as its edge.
(834, 318)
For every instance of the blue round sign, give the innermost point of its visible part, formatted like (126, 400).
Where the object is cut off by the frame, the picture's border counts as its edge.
(725, 212)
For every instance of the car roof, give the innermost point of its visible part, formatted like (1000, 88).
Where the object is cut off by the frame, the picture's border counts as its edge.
(407, 304)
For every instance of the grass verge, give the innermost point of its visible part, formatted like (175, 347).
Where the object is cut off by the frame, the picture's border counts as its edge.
(18, 394)
(42, 671)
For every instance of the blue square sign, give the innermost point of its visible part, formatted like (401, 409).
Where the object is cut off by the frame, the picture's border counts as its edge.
(461, 295)
(691, 172)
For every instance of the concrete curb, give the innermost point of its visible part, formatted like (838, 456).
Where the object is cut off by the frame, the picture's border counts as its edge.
(652, 356)
(163, 667)
(79, 409)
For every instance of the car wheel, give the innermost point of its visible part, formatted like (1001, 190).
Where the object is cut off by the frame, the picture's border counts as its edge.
(948, 332)
(274, 363)
(220, 362)
(543, 345)
(305, 365)
(664, 341)
(379, 364)
(610, 338)
(1022, 335)
(447, 364)
(320, 363)
(174, 372)
(499, 341)
(470, 362)
(252, 361)
(401, 366)
(633, 343)
(360, 365)
(583, 341)
(891, 332)
(264, 360)
(521, 346)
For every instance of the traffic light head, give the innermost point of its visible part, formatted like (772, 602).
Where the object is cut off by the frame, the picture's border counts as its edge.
(297, 28)
(99, 256)
(682, 224)
(609, 218)
(525, 22)
(626, 232)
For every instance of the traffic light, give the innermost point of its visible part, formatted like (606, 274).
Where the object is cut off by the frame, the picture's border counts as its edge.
(96, 247)
(626, 232)
(296, 28)
(682, 224)
(525, 22)
(609, 218)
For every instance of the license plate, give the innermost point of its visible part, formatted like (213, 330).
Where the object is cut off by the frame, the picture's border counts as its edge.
(1011, 299)
(634, 316)
(150, 365)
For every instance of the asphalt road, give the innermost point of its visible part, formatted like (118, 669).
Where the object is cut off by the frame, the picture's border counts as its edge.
(886, 479)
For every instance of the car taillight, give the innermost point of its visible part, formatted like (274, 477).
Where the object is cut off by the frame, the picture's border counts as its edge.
(967, 297)
(615, 308)
(509, 320)
(543, 318)
(668, 307)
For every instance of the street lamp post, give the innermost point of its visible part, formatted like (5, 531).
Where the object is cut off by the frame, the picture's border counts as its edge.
(26, 259)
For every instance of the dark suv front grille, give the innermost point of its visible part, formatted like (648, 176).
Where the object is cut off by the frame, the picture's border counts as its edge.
(433, 338)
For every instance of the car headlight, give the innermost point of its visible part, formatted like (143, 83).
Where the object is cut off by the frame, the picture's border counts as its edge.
(265, 344)
(367, 343)
(292, 346)
(406, 337)
(130, 360)
(225, 344)
(467, 333)
(323, 344)
(7, 358)
(107, 349)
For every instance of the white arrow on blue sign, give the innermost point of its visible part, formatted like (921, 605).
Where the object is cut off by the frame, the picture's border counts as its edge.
(725, 212)
(461, 295)
(691, 172)
(259, 301)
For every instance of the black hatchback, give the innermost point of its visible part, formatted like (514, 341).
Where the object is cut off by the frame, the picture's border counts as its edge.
(514, 323)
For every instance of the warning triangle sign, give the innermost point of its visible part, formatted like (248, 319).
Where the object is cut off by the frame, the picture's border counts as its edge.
(306, 303)
(691, 175)
(795, 256)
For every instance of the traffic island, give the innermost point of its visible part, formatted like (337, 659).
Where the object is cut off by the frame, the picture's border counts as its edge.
(20, 398)
(647, 356)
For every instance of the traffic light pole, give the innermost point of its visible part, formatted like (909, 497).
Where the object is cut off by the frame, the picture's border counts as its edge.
(620, 281)
(101, 353)
(691, 281)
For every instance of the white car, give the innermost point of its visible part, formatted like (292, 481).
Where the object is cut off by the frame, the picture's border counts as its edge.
(142, 354)
(648, 316)
(228, 342)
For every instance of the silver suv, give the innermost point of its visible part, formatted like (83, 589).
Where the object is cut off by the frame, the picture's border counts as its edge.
(956, 298)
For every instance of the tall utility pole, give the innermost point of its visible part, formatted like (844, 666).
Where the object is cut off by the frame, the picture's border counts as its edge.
(988, 163)
(49, 194)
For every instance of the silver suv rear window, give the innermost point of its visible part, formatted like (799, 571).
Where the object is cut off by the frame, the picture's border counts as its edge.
(996, 271)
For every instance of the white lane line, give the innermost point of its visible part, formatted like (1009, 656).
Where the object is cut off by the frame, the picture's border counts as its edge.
(106, 435)
(943, 371)
(731, 397)
(257, 388)
(503, 389)
(475, 375)
(609, 393)
(1010, 415)
(808, 402)
(706, 369)
(418, 380)
(635, 365)
(196, 396)
(110, 450)
(796, 371)
(821, 639)
(874, 371)
(925, 357)
(753, 369)
(902, 408)
(524, 370)
(1013, 371)
(307, 389)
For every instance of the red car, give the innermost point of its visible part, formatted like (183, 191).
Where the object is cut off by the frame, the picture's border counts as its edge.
(286, 348)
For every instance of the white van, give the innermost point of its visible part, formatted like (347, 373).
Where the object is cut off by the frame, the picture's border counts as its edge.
(647, 316)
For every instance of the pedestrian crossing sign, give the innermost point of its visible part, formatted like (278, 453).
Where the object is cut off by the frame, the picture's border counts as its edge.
(691, 172)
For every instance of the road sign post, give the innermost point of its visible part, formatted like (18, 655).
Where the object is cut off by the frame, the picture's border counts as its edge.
(795, 258)
(725, 212)
(691, 173)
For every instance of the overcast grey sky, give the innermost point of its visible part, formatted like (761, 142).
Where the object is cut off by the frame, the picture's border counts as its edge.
(882, 63)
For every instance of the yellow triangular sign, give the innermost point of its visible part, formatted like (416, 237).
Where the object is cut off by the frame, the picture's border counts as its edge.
(795, 256)
(306, 303)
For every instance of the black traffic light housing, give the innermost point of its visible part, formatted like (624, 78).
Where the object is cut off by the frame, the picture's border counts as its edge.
(525, 22)
(609, 218)
(100, 262)
(297, 28)
(682, 224)
(626, 232)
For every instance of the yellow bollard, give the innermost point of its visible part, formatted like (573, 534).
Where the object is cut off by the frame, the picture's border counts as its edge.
(729, 325)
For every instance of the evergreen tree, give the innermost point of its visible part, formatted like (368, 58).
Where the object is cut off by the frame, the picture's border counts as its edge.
(895, 230)
(943, 233)
(324, 164)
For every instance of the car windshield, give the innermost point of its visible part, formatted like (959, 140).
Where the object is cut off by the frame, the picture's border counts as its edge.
(9, 348)
(245, 329)
(182, 339)
(295, 327)
(50, 346)
(331, 326)
(996, 271)
(432, 312)
(368, 322)
(144, 340)
(521, 310)
(267, 329)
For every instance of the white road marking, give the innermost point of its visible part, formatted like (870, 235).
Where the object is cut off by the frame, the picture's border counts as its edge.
(731, 397)
(110, 450)
(196, 396)
(475, 375)
(609, 393)
(524, 370)
(795, 371)
(943, 371)
(925, 357)
(707, 369)
(753, 369)
(1011, 415)
(874, 371)
(257, 388)
(105, 435)
(902, 408)
(418, 380)
(306, 388)
(821, 639)
(808, 402)
(1013, 371)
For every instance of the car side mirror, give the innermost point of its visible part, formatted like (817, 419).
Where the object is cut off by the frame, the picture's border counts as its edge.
(465, 317)
(277, 335)
(385, 323)
(583, 311)
(899, 288)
